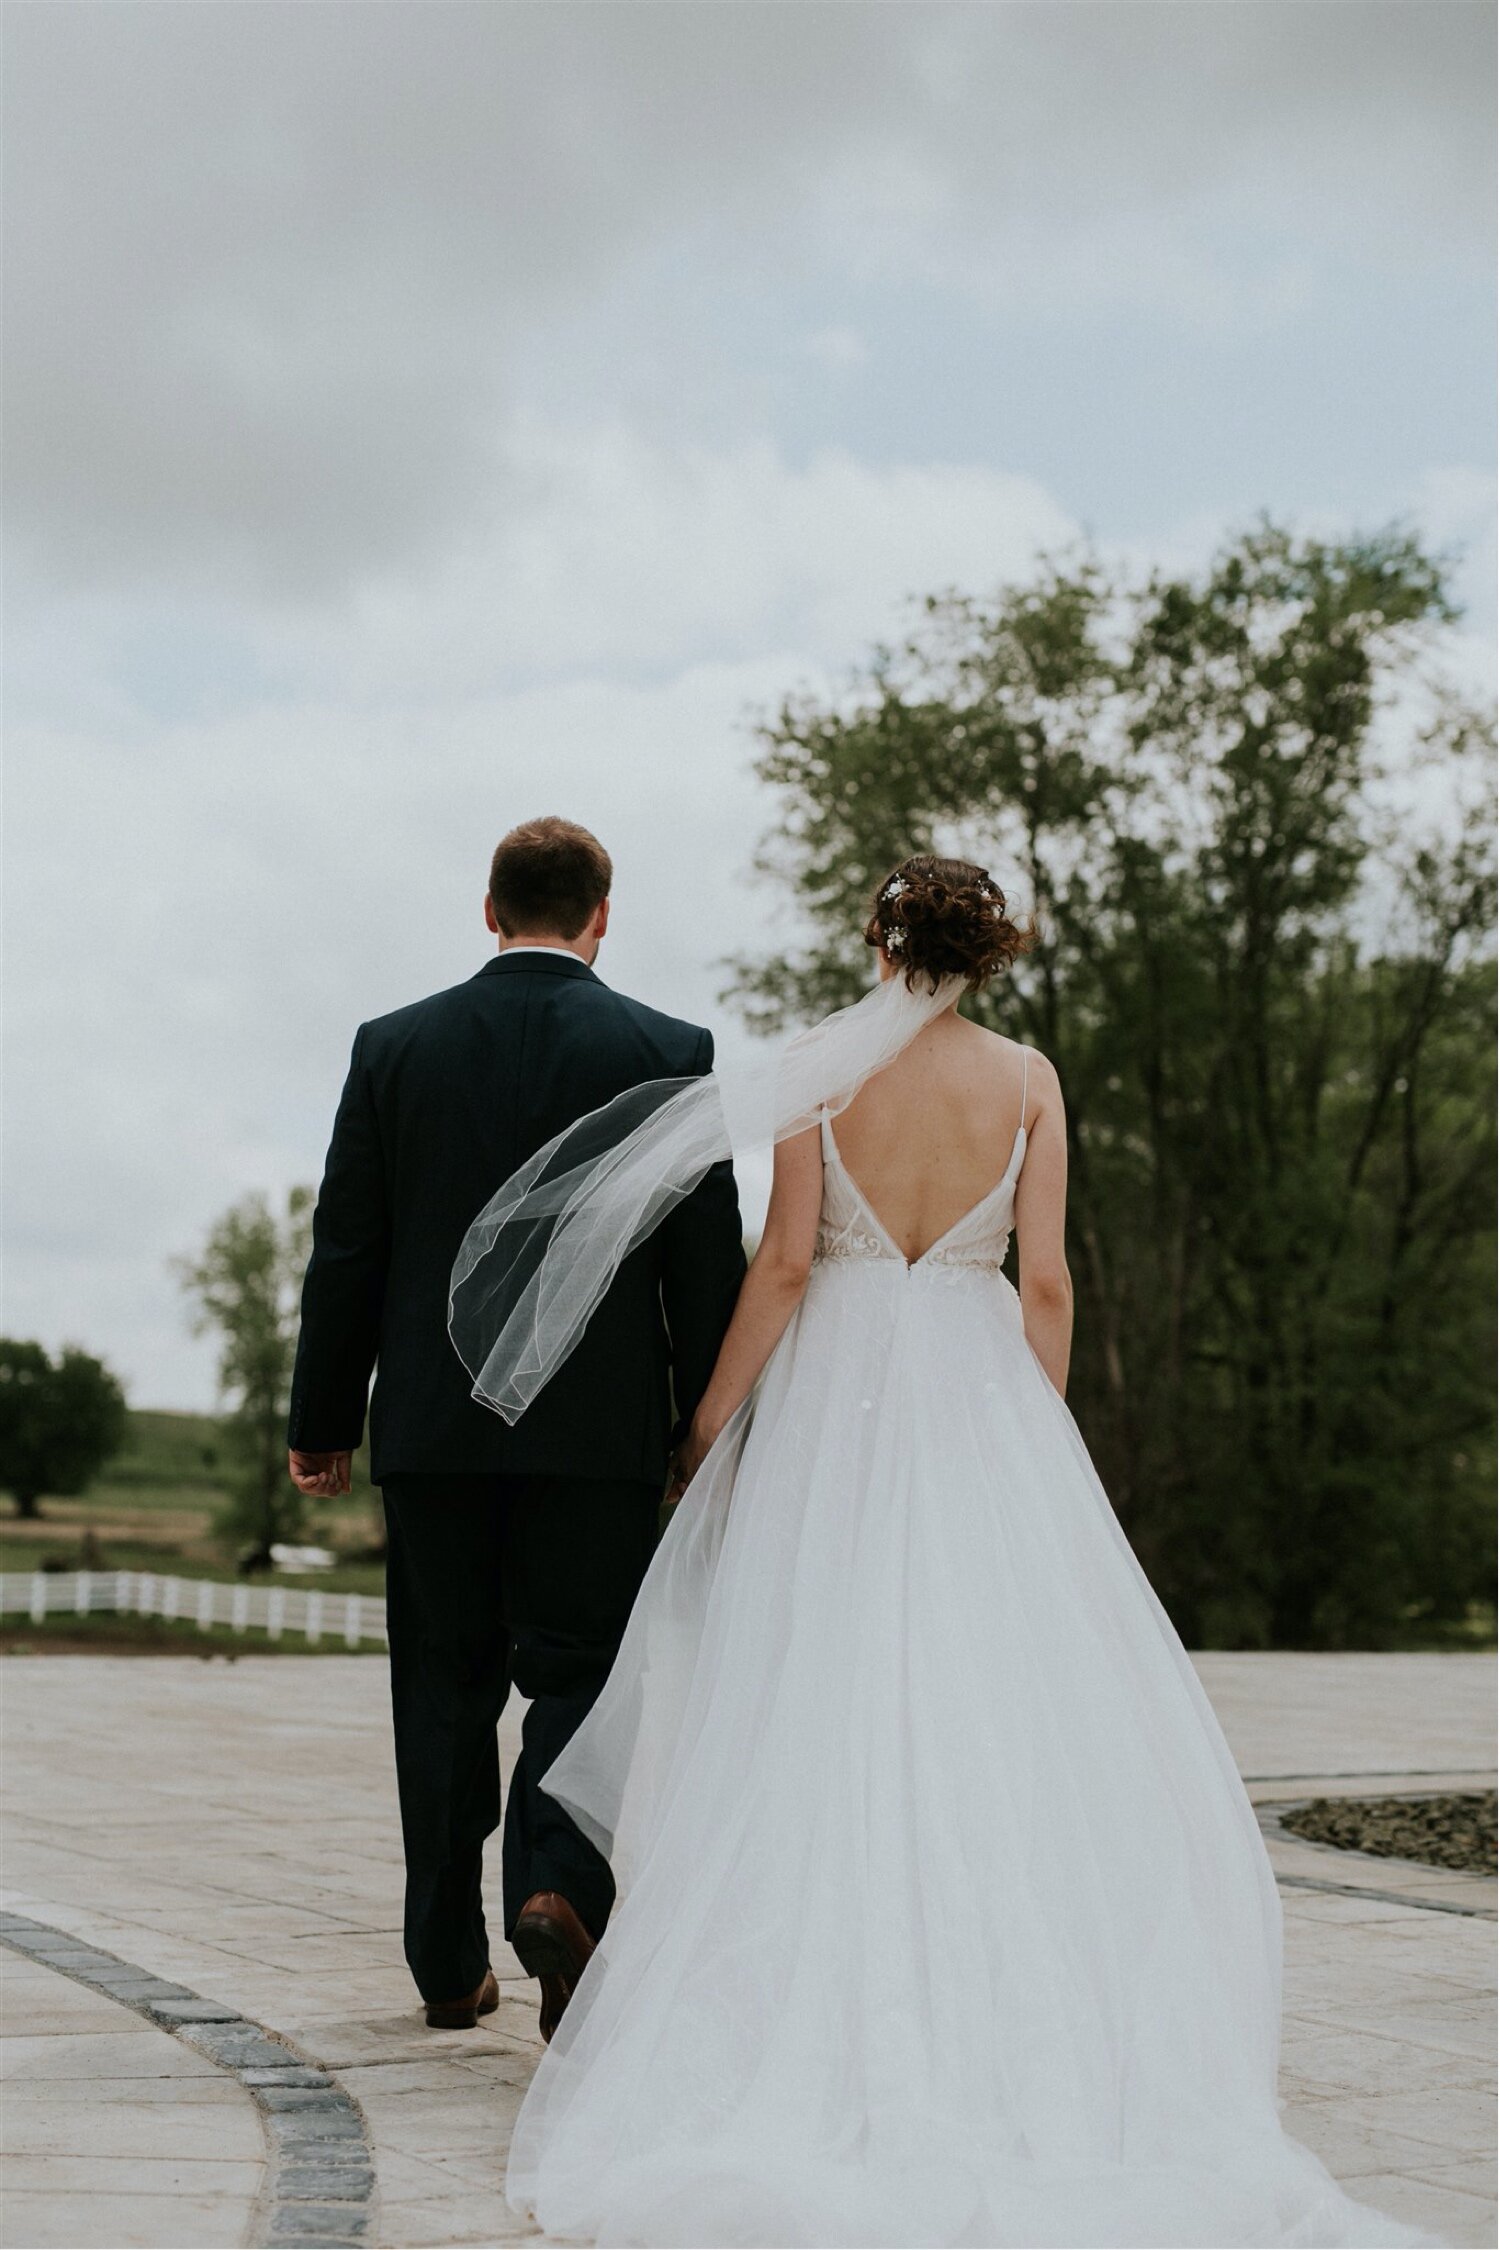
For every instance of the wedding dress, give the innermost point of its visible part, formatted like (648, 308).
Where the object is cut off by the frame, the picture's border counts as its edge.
(945, 1918)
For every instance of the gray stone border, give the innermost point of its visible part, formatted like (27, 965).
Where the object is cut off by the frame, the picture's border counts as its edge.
(1456, 1779)
(320, 2170)
(1269, 1812)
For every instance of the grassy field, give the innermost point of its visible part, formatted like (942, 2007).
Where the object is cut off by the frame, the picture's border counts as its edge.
(154, 1508)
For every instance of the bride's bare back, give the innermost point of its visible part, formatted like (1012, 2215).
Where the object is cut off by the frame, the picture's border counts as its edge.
(925, 1140)
(931, 1135)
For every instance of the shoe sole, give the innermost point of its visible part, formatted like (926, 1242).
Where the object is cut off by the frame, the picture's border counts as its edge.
(543, 1950)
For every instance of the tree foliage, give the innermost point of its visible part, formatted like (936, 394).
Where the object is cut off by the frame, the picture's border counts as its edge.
(60, 1421)
(244, 1287)
(1263, 976)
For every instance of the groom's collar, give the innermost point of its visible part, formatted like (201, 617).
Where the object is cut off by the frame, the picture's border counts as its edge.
(545, 961)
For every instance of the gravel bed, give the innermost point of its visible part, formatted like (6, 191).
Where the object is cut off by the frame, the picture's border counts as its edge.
(1456, 1831)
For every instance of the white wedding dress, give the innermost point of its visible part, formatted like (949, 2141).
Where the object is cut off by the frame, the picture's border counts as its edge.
(945, 1917)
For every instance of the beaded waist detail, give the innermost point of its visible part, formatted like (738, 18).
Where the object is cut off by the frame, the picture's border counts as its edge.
(860, 1244)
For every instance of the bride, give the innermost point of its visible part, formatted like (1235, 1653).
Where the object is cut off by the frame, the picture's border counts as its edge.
(945, 1918)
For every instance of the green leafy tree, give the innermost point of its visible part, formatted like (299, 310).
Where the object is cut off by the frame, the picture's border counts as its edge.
(1270, 1003)
(244, 1287)
(60, 1421)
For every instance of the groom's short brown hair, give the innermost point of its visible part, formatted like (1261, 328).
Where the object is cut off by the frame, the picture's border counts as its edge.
(547, 877)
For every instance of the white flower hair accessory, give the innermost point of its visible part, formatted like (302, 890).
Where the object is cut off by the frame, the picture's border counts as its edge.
(895, 940)
(896, 887)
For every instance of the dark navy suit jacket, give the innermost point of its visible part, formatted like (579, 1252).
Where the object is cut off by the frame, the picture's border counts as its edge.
(443, 1101)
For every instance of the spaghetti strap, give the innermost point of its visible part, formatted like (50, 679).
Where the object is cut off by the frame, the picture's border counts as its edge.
(1025, 1066)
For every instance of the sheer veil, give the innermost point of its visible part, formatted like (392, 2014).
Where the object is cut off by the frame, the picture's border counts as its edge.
(536, 1261)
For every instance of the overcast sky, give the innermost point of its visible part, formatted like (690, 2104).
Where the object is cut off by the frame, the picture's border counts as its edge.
(425, 414)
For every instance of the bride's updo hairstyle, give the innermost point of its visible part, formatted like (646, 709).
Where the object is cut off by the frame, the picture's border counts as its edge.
(939, 918)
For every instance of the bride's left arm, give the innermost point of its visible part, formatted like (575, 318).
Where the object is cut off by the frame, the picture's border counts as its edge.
(1041, 1216)
(772, 1291)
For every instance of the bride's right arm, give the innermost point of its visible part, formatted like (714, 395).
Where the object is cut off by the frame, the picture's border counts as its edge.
(772, 1291)
(1041, 1210)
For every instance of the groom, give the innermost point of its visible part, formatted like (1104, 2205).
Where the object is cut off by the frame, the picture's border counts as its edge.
(514, 1553)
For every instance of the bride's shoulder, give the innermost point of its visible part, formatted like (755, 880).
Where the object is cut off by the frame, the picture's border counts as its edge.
(998, 1046)
(1008, 1058)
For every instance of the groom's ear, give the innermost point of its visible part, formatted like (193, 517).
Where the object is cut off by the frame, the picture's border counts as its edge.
(489, 916)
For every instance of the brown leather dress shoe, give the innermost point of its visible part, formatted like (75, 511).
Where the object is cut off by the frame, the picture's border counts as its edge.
(462, 2015)
(552, 1945)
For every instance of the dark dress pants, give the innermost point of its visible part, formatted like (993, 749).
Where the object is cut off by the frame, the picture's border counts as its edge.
(492, 1581)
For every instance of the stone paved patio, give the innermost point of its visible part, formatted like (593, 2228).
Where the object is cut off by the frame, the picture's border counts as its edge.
(233, 1827)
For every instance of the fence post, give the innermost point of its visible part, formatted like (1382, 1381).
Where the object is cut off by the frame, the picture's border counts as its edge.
(352, 1621)
(145, 1594)
(275, 1612)
(205, 1604)
(171, 1589)
(239, 1608)
(38, 1596)
(83, 1586)
(314, 1617)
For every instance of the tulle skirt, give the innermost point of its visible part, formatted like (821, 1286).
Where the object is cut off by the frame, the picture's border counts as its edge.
(945, 1918)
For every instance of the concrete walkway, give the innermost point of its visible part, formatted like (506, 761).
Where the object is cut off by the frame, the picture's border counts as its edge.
(232, 1827)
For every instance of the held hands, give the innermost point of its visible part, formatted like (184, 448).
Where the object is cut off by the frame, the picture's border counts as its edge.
(688, 1459)
(322, 1476)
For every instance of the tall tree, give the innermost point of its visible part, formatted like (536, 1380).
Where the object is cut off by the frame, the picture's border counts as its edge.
(60, 1421)
(244, 1287)
(1270, 1008)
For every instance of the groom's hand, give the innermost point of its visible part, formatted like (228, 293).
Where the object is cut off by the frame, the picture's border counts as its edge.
(322, 1476)
(679, 1475)
(695, 1442)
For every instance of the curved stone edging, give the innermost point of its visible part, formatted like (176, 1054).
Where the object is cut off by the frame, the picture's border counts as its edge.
(320, 2185)
(1269, 1814)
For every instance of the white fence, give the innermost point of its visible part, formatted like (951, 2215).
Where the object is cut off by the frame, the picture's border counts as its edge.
(277, 1611)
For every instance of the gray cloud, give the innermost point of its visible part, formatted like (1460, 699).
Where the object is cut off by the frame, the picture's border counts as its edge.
(273, 269)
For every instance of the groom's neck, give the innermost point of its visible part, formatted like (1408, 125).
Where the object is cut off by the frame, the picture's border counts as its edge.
(582, 948)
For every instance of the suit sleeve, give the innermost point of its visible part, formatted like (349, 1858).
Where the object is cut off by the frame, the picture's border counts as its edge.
(703, 1264)
(344, 1289)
